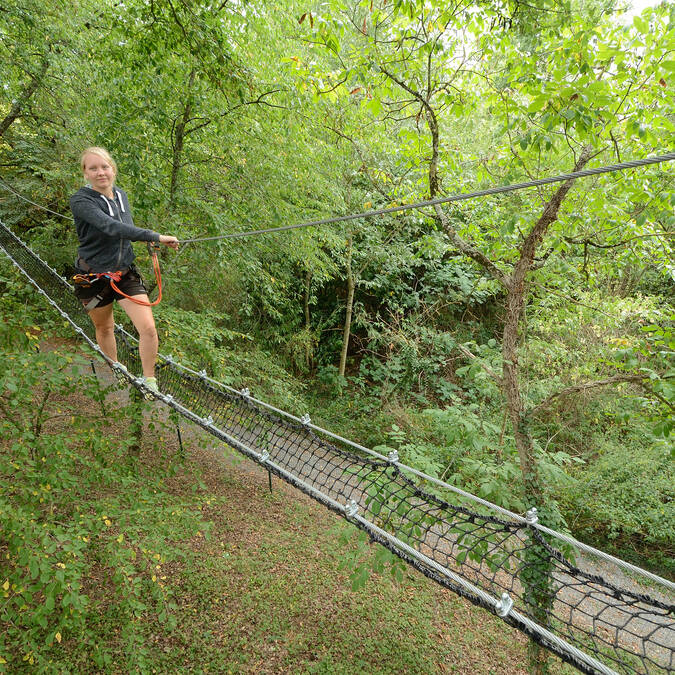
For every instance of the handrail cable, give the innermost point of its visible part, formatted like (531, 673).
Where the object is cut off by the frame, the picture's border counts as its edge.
(632, 164)
(420, 474)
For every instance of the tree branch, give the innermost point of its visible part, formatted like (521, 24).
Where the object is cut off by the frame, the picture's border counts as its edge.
(469, 250)
(578, 388)
(484, 366)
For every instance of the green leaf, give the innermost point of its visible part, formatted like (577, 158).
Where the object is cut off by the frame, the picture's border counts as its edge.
(641, 24)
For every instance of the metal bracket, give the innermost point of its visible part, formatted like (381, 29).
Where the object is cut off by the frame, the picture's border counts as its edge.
(208, 421)
(202, 374)
(351, 508)
(306, 419)
(245, 392)
(393, 456)
(169, 359)
(168, 398)
(504, 605)
(263, 456)
(531, 517)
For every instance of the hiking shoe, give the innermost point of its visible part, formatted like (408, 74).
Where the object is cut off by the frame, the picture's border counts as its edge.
(151, 384)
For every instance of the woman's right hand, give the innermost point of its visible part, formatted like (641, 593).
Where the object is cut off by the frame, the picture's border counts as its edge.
(170, 241)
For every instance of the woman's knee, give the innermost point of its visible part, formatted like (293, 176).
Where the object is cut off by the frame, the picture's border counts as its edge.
(105, 329)
(103, 321)
(147, 331)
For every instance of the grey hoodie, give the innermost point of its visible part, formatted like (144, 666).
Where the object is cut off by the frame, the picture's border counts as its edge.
(106, 229)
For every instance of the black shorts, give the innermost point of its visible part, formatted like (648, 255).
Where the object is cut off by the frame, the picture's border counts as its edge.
(131, 284)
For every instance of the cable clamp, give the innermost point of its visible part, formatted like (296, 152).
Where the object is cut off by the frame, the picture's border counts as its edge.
(169, 359)
(531, 517)
(245, 392)
(306, 419)
(504, 605)
(202, 374)
(263, 456)
(351, 508)
(208, 421)
(168, 398)
(393, 456)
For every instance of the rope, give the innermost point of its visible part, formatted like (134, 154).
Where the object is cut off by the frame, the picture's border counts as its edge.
(416, 205)
(595, 624)
(152, 250)
(446, 200)
(25, 199)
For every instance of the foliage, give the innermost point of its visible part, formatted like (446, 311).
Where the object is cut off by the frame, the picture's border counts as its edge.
(79, 513)
(226, 120)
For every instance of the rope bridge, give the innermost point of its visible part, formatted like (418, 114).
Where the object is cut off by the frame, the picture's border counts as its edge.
(589, 608)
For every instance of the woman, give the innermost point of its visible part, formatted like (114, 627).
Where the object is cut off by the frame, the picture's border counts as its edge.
(106, 229)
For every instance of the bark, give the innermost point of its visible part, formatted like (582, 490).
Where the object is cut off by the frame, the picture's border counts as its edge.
(515, 304)
(348, 312)
(432, 123)
(179, 134)
(308, 325)
(18, 106)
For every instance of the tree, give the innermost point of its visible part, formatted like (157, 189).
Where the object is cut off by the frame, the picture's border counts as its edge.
(579, 92)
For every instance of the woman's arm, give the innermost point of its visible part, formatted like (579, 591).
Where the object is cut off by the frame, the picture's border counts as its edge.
(84, 208)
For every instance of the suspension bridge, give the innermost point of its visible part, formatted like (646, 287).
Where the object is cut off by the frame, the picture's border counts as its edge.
(595, 611)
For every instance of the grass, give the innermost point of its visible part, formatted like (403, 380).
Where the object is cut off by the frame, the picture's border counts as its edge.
(245, 581)
(260, 593)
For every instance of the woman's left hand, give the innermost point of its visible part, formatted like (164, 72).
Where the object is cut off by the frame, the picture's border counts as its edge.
(171, 242)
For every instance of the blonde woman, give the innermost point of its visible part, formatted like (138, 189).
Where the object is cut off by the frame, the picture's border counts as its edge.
(106, 229)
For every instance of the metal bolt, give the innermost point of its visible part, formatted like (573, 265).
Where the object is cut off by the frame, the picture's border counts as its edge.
(351, 508)
(504, 605)
(531, 516)
(393, 456)
(306, 419)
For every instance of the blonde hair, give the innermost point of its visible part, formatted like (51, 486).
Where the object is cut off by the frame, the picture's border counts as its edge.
(102, 153)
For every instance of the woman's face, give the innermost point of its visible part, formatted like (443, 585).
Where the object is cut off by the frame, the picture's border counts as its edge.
(98, 172)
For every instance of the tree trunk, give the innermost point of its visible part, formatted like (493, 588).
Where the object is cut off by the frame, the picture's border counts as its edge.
(29, 90)
(348, 311)
(515, 303)
(309, 360)
(178, 141)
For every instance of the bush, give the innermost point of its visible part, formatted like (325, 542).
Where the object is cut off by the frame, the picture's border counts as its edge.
(85, 528)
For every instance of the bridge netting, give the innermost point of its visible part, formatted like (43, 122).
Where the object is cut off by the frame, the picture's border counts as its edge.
(596, 612)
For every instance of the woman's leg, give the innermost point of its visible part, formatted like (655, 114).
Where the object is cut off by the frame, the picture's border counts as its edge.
(105, 330)
(141, 317)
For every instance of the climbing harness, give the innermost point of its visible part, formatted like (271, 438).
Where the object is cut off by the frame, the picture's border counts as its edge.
(87, 279)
